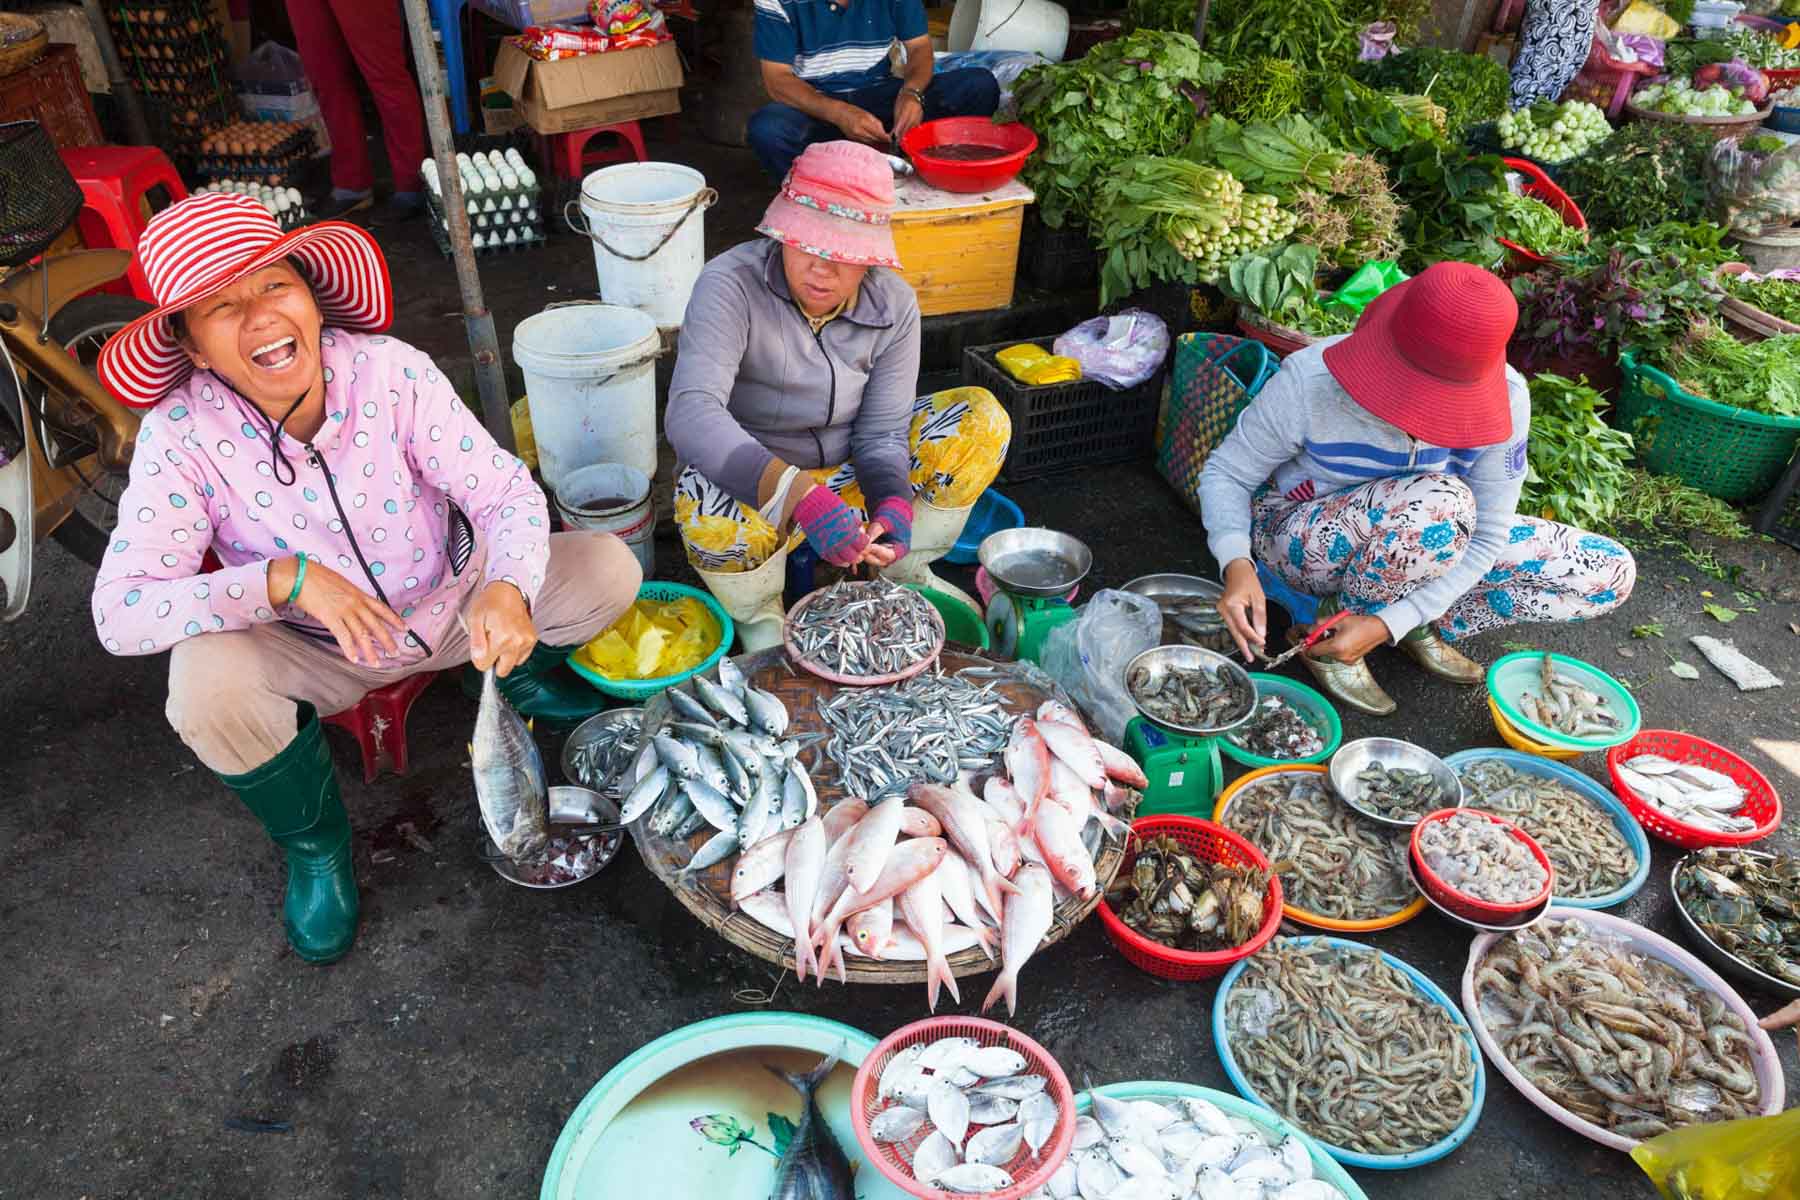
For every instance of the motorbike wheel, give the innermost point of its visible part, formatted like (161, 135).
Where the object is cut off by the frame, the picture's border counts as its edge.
(82, 326)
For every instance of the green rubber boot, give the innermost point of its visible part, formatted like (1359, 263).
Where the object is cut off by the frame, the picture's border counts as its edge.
(541, 688)
(295, 795)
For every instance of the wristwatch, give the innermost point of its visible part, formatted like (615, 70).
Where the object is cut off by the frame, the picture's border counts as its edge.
(915, 93)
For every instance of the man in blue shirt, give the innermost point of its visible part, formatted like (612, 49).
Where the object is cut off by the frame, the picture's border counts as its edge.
(825, 65)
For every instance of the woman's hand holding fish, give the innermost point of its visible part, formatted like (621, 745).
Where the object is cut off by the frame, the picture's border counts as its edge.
(501, 634)
(1351, 639)
(360, 623)
(1244, 607)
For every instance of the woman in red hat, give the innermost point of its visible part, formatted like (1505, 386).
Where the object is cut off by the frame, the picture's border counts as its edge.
(366, 526)
(1380, 471)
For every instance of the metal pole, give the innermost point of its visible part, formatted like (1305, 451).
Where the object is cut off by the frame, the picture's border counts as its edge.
(490, 376)
(130, 106)
(1200, 14)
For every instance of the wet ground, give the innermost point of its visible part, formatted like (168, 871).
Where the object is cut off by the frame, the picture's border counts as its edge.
(161, 1041)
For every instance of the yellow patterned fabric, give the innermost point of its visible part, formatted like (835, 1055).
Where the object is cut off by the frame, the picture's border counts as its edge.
(958, 440)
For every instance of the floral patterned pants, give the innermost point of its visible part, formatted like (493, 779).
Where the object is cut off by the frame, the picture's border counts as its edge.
(1371, 545)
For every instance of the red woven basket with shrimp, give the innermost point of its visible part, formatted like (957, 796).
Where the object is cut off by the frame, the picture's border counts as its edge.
(894, 1159)
(1216, 844)
(1460, 902)
(1761, 803)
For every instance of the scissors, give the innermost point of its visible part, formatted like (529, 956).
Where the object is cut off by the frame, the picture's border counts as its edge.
(1320, 632)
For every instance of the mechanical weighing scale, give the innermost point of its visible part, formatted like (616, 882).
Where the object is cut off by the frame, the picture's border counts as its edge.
(1033, 570)
(1181, 762)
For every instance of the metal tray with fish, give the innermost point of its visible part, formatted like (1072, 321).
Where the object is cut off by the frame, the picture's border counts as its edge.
(1393, 782)
(1189, 609)
(600, 751)
(1524, 920)
(1764, 1062)
(1034, 561)
(1190, 690)
(1748, 923)
(568, 858)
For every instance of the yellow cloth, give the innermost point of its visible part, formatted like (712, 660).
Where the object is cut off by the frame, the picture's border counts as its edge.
(1644, 18)
(1036, 366)
(653, 639)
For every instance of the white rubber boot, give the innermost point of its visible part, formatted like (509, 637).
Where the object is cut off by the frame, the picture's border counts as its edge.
(934, 535)
(753, 598)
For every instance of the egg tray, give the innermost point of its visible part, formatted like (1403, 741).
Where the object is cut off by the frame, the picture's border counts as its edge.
(282, 171)
(441, 236)
(499, 220)
(528, 195)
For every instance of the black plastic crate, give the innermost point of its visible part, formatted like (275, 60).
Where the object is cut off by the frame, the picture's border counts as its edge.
(1779, 516)
(1057, 259)
(1065, 425)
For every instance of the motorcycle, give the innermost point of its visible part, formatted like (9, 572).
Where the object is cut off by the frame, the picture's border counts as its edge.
(65, 442)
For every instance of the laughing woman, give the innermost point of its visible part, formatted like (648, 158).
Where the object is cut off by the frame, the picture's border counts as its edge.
(357, 509)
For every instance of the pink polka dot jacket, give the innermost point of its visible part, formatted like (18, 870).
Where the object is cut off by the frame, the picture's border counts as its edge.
(401, 448)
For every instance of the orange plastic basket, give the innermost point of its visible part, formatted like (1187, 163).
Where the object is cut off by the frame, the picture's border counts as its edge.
(1538, 186)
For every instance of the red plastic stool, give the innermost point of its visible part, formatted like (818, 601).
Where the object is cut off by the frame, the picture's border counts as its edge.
(122, 187)
(569, 157)
(378, 723)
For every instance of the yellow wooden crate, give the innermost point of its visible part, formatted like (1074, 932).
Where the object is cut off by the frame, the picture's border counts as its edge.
(960, 252)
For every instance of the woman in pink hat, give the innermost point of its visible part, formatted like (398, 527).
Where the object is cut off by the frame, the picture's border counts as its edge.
(794, 409)
(355, 507)
(1381, 472)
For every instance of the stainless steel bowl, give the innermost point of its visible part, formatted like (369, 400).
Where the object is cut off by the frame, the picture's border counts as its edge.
(1056, 561)
(1352, 757)
(569, 805)
(1524, 920)
(1720, 959)
(1160, 659)
(586, 732)
(1172, 586)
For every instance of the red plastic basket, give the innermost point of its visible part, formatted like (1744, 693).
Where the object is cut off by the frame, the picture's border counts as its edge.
(1782, 77)
(1761, 804)
(1539, 187)
(894, 1159)
(1460, 902)
(955, 175)
(1214, 843)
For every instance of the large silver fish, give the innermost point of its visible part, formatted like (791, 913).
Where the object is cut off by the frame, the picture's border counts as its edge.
(814, 1167)
(509, 777)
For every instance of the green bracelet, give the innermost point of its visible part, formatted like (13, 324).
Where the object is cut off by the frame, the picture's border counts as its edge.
(299, 579)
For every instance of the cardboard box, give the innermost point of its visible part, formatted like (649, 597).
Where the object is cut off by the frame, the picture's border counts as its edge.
(595, 89)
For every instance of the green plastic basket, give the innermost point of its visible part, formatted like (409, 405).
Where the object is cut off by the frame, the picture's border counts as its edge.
(1216, 375)
(643, 689)
(1730, 453)
(1309, 703)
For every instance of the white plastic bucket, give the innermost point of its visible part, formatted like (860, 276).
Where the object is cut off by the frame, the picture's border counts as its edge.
(590, 371)
(1036, 25)
(612, 498)
(647, 223)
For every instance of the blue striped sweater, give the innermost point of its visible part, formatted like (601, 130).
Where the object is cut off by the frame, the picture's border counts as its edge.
(1305, 436)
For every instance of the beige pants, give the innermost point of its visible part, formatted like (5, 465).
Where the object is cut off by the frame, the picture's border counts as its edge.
(233, 696)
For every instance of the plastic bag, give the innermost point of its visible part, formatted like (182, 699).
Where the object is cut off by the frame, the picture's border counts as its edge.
(1119, 351)
(1035, 366)
(1368, 281)
(1754, 1159)
(1753, 190)
(622, 18)
(1646, 19)
(1377, 41)
(1088, 656)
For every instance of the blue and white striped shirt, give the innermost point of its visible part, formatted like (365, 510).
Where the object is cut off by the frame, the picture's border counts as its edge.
(837, 50)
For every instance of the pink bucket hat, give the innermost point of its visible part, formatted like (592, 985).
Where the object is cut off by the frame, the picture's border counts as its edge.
(836, 203)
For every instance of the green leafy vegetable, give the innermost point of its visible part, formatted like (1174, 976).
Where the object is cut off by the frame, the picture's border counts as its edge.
(1647, 173)
(1667, 506)
(1471, 87)
(1263, 89)
(1576, 461)
(1316, 35)
(1758, 376)
(1170, 220)
(1535, 225)
(1777, 297)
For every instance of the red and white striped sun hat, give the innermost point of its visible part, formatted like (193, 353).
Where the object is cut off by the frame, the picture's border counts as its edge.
(192, 249)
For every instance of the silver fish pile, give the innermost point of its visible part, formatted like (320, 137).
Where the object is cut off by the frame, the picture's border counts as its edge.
(967, 1117)
(1195, 620)
(1332, 861)
(1346, 1047)
(814, 1166)
(931, 727)
(1192, 696)
(1619, 1038)
(864, 628)
(1579, 838)
(1481, 859)
(1399, 793)
(1568, 706)
(509, 778)
(1749, 903)
(1182, 1149)
(1688, 792)
(1276, 729)
(604, 756)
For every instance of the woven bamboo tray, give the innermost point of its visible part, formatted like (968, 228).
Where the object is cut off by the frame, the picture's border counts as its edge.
(1746, 316)
(23, 40)
(1720, 127)
(708, 894)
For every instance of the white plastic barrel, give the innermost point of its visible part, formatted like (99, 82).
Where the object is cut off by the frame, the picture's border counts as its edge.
(612, 498)
(1037, 25)
(590, 370)
(647, 224)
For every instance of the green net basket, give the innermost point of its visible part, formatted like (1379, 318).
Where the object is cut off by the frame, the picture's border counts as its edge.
(1215, 376)
(1730, 453)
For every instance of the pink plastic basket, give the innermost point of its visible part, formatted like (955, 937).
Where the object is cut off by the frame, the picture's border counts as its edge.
(819, 669)
(894, 1159)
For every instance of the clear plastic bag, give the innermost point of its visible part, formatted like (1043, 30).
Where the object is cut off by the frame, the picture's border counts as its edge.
(1753, 1159)
(1754, 190)
(1088, 656)
(1119, 351)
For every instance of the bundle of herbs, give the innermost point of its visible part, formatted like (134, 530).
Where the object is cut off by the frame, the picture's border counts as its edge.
(1169, 220)
(1317, 35)
(1529, 222)
(1577, 464)
(1777, 294)
(1757, 376)
(1471, 87)
(1262, 89)
(1647, 173)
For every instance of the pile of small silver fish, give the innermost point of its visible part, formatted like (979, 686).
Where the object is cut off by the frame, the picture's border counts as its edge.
(1192, 696)
(967, 1117)
(1690, 793)
(813, 1166)
(1187, 1147)
(931, 727)
(1478, 858)
(1568, 706)
(864, 628)
(1749, 903)
(935, 870)
(1618, 1038)
(1276, 729)
(509, 778)
(1332, 861)
(1194, 619)
(1346, 1047)
(1399, 793)
(1579, 838)
(604, 756)
(1171, 896)
(721, 761)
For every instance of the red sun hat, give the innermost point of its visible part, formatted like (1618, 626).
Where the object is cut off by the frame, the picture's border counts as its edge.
(1429, 356)
(207, 242)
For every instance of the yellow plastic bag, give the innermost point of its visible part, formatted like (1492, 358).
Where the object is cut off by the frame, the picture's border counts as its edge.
(1641, 17)
(1753, 1159)
(524, 438)
(653, 639)
(1036, 366)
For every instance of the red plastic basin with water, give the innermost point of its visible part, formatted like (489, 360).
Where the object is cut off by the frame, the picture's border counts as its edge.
(955, 175)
